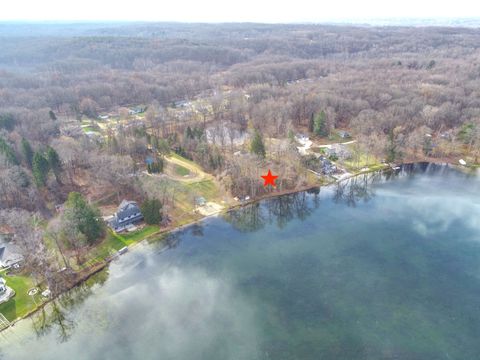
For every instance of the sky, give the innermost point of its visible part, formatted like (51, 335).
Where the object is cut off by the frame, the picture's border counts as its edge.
(268, 11)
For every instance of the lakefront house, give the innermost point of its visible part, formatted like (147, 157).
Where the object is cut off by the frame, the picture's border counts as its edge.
(127, 215)
(6, 293)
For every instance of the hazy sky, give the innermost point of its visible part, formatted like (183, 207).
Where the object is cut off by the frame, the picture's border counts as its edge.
(238, 10)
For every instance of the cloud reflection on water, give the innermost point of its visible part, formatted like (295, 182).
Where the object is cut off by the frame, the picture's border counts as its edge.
(346, 261)
(189, 307)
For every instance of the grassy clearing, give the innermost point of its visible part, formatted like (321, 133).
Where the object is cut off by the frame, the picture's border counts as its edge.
(206, 188)
(22, 303)
(360, 161)
(187, 161)
(133, 237)
(114, 242)
(181, 171)
(185, 199)
(90, 129)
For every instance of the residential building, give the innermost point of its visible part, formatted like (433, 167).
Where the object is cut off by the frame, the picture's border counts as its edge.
(127, 215)
(9, 252)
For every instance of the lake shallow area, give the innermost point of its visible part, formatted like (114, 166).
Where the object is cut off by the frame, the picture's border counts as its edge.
(376, 267)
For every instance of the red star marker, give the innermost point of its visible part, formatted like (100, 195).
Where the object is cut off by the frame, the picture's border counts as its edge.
(269, 179)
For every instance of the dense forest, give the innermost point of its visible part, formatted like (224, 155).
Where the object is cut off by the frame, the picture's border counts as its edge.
(385, 83)
(404, 93)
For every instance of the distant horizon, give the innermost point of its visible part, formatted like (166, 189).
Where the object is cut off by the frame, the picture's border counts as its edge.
(332, 21)
(246, 11)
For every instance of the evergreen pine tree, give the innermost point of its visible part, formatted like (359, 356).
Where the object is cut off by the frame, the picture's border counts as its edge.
(7, 121)
(83, 217)
(52, 115)
(40, 169)
(152, 211)
(8, 152)
(54, 162)
(320, 124)
(256, 146)
(27, 152)
(392, 154)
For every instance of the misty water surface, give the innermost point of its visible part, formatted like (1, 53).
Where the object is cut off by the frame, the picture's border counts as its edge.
(381, 267)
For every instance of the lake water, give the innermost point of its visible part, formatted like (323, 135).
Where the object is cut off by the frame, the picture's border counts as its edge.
(381, 267)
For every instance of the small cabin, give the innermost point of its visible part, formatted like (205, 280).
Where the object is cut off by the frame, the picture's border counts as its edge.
(200, 201)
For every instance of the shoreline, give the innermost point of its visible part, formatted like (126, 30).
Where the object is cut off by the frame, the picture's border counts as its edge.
(94, 269)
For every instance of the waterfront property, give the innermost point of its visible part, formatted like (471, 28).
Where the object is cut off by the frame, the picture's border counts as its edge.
(127, 215)
(327, 167)
(6, 293)
(342, 273)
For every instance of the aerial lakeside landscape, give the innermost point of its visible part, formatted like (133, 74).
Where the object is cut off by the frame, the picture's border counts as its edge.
(318, 273)
(249, 188)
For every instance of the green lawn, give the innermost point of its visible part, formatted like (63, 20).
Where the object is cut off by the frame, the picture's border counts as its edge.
(205, 188)
(133, 237)
(360, 161)
(21, 303)
(181, 171)
(178, 157)
(90, 128)
(114, 242)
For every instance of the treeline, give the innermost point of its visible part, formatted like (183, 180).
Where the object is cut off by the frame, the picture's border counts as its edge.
(390, 86)
(165, 62)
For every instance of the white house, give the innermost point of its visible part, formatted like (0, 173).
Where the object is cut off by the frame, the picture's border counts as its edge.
(301, 138)
(6, 293)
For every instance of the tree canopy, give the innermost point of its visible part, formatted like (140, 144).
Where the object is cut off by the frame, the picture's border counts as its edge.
(40, 169)
(80, 216)
(54, 162)
(7, 121)
(7, 151)
(257, 146)
(27, 152)
(320, 124)
(152, 211)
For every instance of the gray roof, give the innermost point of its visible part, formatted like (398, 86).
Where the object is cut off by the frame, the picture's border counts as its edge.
(200, 200)
(128, 213)
(9, 254)
(127, 208)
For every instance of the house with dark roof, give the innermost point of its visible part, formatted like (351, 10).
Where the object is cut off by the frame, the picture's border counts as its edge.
(327, 167)
(127, 215)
